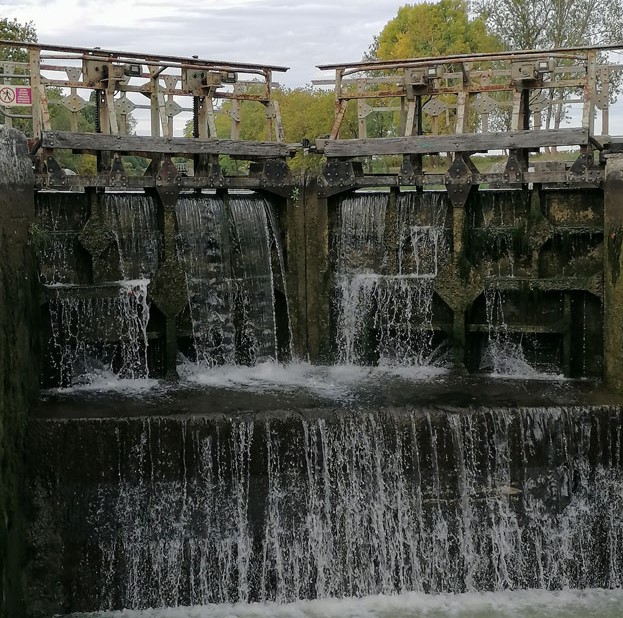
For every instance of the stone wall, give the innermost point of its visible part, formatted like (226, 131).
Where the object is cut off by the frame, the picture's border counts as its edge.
(18, 346)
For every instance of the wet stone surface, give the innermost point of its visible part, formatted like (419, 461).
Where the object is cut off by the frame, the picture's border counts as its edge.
(325, 392)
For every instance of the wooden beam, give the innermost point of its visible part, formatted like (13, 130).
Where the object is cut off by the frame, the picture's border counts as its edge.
(467, 142)
(90, 143)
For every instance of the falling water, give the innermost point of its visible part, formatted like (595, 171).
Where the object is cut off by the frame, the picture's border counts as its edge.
(203, 248)
(254, 291)
(385, 312)
(59, 225)
(99, 329)
(504, 354)
(284, 508)
(225, 250)
(132, 219)
(93, 336)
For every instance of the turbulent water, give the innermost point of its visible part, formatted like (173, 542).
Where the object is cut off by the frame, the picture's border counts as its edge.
(288, 506)
(99, 307)
(592, 603)
(384, 295)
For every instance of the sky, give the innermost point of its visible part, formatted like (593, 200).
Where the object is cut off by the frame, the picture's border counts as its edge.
(299, 35)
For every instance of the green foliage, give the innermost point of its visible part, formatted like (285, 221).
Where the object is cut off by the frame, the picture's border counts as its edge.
(433, 29)
(12, 30)
(38, 236)
(306, 113)
(543, 24)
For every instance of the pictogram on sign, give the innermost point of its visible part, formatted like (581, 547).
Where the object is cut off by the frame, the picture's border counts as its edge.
(15, 95)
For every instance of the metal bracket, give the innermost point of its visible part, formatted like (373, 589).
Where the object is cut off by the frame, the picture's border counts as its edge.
(516, 166)
(271, 172)
(208, 166)
(118, 176)
(341, 173)
(56, 176)
(167, 184)
(584, 167)
(459, 179)
(410, 170)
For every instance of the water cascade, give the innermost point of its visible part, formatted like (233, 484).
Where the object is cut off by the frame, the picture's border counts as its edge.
(101, 326)
(226, 252)
(96, 271)
(386, 268)
(169, 511)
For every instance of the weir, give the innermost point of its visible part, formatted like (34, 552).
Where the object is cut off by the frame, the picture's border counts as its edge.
(402, 376)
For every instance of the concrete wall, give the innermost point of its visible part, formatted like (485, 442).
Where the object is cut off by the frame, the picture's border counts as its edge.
(18, 366)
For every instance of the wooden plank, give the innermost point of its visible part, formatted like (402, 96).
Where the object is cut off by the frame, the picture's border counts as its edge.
(89, 143)
(467, 142)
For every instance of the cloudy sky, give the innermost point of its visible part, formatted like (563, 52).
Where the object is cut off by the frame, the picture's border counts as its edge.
(299, 35)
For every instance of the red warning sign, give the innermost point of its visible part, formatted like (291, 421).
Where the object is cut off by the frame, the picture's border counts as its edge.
(15, 95)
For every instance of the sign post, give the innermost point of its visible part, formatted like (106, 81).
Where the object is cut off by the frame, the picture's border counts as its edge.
(12, 96)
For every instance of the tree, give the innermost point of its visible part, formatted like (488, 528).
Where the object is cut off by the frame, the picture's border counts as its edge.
(547, 24)
(12, 30)
(433, 29)
(544, 24)
(306, 113)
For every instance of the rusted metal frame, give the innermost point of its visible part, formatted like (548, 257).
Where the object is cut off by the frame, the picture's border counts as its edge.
(107, 54)
(588, 111)
(472, 89)
(463, 100)
(377, 65)
(147, 89)
(340, 111)
(362, 111)
(35, 84)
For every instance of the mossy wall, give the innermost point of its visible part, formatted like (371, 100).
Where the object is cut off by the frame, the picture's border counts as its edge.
(18, 351)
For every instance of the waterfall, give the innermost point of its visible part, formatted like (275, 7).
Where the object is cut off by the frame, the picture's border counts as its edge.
(98, 306)
(132, 219)
(203, 248)
(97, 329)
(504, 353)
(99, 334)
(225, 250)
(281, 507)
(385, 297)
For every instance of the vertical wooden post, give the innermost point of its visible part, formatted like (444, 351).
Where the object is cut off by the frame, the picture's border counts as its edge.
(392, 233)
(613, 275)
(296, 268)
(317, 272)
(35, 83)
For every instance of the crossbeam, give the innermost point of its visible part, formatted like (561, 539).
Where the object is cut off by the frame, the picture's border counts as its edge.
(92, 143)
(466, 142)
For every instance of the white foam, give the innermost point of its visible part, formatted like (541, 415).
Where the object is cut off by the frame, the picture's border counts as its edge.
(334, 381)
(104, 381)
(507, 604)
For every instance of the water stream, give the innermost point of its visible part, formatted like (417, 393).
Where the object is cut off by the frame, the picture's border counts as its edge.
(282, 507)
(384, 294)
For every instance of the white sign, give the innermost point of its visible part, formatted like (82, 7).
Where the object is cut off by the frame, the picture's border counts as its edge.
(10, 96)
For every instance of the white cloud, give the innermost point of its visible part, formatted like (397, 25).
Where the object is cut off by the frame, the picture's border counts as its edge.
(280, 32)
